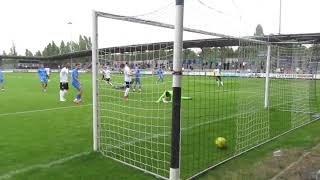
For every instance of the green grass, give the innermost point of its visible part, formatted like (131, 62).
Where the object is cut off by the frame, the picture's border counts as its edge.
(143, 137)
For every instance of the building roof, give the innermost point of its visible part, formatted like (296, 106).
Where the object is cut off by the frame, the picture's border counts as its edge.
(311, 38)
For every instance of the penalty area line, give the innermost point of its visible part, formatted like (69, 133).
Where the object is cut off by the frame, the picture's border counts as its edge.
(41, 166)
(41, 110)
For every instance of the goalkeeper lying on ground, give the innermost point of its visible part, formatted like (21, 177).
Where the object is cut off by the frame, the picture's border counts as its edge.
(167, 97)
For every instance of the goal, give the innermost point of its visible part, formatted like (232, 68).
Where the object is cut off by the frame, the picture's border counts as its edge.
(184, 94)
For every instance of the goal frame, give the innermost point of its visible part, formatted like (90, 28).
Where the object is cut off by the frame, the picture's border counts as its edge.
(176, 80)
(176, 85)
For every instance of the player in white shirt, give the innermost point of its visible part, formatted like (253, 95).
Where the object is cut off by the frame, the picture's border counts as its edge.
(217, 75)
(48, 73)
(106, 75)
(64, 86)
(127, 79)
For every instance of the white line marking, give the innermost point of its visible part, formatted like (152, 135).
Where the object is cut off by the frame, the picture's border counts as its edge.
(41, 166)
(41, 110)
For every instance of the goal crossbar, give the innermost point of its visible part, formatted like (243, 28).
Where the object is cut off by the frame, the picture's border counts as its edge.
(170, 26)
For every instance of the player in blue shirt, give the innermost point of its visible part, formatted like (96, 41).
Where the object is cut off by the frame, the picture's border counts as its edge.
(1, 81)
(42, 74)
(76, 83)
(137, 73)
(160, 74)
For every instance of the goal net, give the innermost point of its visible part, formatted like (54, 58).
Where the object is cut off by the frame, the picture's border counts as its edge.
(134, 111)
(136, 130)
(237, 106)
(292, 86)
(247, 91)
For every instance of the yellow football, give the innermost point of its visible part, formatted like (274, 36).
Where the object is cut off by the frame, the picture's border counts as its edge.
(221, 142)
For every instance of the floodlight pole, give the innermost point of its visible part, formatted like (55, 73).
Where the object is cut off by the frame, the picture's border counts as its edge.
(70, 23)
(266, 96)
(280, 14)
(176, 86)
(94, 80)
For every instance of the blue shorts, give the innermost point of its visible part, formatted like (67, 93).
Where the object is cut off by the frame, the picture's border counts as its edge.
(44, 79)
(76, 85)
(138, 80)
(1, 81)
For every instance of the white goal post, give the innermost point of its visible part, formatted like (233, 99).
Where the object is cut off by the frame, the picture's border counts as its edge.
(95, 63)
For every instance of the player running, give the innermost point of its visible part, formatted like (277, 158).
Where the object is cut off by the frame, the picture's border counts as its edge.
(1, 81)
(64, 86)
(127, 79)
(217, 75)
(137, 73)
(48, 73)
(42, 74)
(106, 75)
(160, 74)
(76, 83)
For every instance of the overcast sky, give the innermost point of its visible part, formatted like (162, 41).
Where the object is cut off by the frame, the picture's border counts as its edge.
(33, 24)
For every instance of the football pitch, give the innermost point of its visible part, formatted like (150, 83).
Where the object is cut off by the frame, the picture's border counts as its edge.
(42, 138)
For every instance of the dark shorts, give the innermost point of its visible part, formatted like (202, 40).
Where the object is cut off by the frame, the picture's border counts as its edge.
(107, 79)
(218, 78)
(127, 84)
(64, 86)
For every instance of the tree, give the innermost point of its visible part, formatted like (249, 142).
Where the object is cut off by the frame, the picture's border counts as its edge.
(47, 50)
(38, 53)
(54, 49)
(74, 46)
(13, 51)
(51, 49)
(82, 44)
(259, 30)
(28, 53)
(88, 42)
(64, 48)
(4, 53)
(190, 54)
